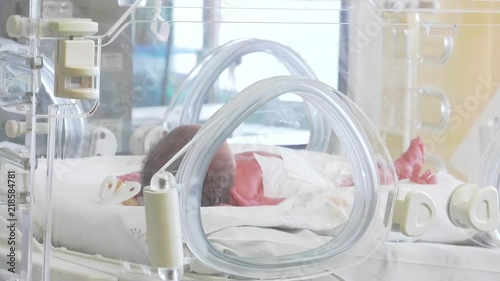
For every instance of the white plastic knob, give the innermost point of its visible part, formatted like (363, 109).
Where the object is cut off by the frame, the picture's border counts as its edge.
(14, 129)
(474, 207)
(415, 212)
(15, 26)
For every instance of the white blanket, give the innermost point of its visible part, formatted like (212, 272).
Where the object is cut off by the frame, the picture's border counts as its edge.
(81, 223)
(301, 222)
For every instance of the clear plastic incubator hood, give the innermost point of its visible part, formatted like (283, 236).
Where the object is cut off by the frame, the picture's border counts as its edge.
(249, 140)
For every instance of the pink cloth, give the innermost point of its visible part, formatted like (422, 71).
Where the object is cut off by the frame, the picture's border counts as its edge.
(134, 176)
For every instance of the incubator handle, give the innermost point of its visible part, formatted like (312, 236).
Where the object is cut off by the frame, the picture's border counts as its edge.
(445, 108)
(437, 161)
(474, 207)
(415, 212)
(447, 32)
(448, 43)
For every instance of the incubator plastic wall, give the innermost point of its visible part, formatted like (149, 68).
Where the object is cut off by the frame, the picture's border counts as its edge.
(270, 139)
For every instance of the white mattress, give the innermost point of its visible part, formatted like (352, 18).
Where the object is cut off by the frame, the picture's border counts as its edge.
(82, 224)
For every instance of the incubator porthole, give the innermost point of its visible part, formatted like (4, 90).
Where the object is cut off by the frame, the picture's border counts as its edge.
(356, 233)
(196, 88)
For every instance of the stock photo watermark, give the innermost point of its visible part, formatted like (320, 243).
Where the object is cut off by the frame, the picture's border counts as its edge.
(11, 188)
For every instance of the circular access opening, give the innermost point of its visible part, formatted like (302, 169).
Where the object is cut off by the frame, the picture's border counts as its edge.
(369, 219)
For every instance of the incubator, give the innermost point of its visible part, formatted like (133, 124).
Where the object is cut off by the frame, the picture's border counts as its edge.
(249, 140)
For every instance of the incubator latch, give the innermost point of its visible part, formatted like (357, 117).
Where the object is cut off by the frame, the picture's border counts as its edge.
(474, 207)
(415, 212)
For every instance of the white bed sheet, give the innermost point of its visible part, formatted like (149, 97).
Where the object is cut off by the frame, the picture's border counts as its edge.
(426, 261)
(82, 224)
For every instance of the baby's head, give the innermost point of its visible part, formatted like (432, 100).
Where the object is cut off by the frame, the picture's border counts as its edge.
(220, 174)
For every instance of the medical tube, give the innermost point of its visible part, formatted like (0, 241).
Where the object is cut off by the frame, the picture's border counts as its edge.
(369, 221)
(199, 81)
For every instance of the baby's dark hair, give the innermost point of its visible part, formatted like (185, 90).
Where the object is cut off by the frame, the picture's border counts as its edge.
(220, 174)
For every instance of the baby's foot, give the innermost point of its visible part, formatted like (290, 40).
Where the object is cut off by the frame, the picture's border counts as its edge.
(409, 159)
(427, 178)
(409, 165)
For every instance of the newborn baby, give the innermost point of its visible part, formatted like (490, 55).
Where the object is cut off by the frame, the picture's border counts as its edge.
(236, 179)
